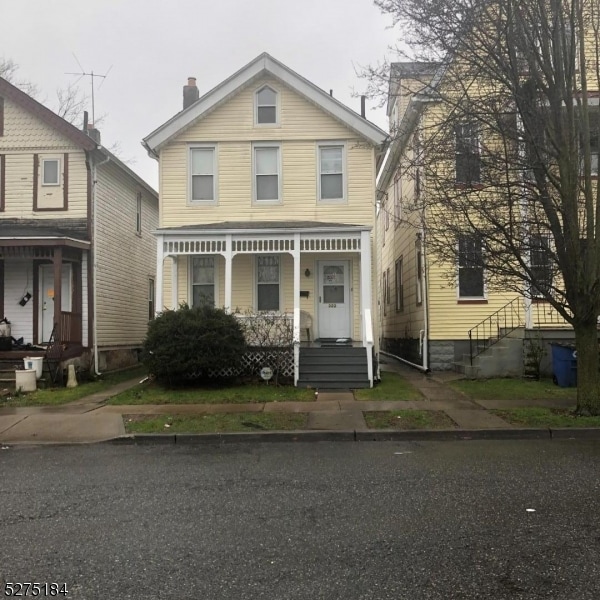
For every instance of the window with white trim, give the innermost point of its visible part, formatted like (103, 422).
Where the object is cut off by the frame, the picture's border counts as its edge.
(50, 171)
(267, 176)
(470, 267)
(151, 303)
(397, 198)
(203, 174)
(332, 182)
(399, 285)
(266, 106)
(467, 154)
(541, 265)
(203, 280)
(268, 282)
(138, 213)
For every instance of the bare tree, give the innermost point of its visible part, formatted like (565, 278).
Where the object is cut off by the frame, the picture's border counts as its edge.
(70, 101)
(506, 150)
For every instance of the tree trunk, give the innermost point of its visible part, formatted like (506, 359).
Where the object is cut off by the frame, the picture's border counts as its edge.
(588, 377)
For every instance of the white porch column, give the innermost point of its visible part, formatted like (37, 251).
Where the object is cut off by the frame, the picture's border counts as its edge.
(159, 274)
(296, 338)
(175, 282)
(228, 270)
(365, 273)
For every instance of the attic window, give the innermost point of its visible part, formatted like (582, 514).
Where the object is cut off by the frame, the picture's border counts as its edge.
(266, 106)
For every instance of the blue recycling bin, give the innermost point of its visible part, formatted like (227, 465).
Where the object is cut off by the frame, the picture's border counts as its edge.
(564, 365)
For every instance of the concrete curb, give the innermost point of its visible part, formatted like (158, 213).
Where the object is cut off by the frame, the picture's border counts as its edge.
(379, 435)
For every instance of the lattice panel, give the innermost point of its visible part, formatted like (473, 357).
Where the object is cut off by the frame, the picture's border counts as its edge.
(254, 360)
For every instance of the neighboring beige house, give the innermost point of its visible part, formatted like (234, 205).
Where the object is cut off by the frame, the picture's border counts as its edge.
(267, 204)
(77, 256)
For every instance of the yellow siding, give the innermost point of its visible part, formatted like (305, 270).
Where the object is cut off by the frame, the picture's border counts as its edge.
(231, 128)
(126, 260)
(243, 284)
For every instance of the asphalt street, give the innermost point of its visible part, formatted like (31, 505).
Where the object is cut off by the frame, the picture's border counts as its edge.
(428, 520)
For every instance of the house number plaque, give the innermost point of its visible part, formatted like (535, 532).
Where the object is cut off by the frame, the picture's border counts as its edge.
(333, 306)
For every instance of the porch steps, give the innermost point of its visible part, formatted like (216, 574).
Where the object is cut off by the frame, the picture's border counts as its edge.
(333, 367)
(502, 358)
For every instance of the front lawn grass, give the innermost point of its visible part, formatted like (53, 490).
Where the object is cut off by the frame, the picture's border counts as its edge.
(224, 392)
(408, 419)
(55, 396)
(391, 387)
(546, 417)
(512, 389)
(215, 423)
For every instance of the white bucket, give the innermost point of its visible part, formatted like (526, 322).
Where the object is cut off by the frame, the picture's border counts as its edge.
(25, 380)
(36, 363)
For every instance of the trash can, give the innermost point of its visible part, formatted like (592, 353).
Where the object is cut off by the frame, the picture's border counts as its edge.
(36, 363)
(564, 365)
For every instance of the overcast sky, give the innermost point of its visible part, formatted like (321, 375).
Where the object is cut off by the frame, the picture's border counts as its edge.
(150, 47)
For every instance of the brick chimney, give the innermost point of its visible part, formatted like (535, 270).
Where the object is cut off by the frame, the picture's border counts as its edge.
(93, 133)
(190, 93)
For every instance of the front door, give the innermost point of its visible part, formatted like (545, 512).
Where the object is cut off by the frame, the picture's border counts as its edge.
(334, 299)
(47, 298)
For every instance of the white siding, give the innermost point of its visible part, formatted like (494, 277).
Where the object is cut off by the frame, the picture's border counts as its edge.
(24, 136)
(125, 260)
(18, 279)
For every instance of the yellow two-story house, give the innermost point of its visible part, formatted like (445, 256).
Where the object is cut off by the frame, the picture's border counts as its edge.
(267, 204)
(77, 256)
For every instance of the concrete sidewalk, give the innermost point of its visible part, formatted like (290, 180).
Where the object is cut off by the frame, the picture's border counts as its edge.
(89, 419)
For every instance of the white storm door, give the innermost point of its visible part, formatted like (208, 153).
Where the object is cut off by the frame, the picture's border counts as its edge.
(334, 299)
(47, 298)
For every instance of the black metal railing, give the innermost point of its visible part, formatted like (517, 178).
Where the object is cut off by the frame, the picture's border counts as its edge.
(495, 327)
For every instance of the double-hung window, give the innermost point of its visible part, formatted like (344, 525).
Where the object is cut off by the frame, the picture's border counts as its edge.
(50, 171)
(470, 267)
(266, 106)
(541, 266)
(203, 182)
(332, 182)
(268, 281)
(203, 280)
(267, 173)
(399, 285)
(138, 213)
(468, 155)
(397, 198)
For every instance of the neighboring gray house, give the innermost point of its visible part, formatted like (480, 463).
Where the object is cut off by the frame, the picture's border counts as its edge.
(77, 257)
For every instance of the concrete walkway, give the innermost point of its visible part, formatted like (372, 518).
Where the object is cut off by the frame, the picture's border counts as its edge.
(90, 419)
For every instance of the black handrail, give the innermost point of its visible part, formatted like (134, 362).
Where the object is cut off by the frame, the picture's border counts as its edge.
(495, 327)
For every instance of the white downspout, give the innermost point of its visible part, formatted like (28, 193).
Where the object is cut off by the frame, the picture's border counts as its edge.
(425, 304)
(95, 264)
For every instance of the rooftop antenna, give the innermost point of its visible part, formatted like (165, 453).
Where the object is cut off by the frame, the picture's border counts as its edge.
(91, 75)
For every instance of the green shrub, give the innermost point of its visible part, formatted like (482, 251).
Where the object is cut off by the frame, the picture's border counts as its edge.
(190, 342)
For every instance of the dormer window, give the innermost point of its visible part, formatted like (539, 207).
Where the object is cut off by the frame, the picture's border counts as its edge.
(266, 106)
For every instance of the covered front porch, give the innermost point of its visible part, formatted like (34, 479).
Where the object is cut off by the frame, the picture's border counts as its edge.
(43, 294)
(317, 275)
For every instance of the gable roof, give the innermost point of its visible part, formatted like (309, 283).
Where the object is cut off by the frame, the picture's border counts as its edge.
(78, 137)
(263, 64)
